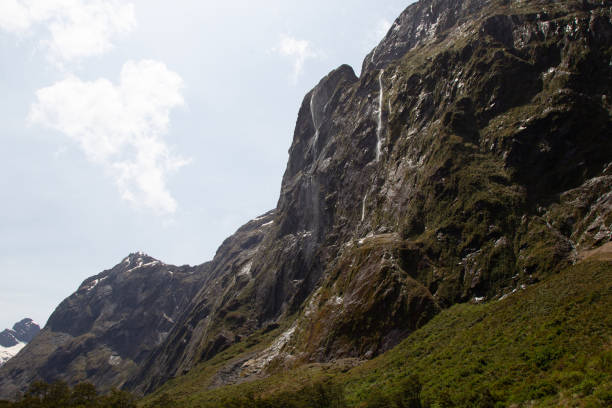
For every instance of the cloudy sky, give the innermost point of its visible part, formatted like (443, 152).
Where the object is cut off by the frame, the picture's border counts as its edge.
(150, 125)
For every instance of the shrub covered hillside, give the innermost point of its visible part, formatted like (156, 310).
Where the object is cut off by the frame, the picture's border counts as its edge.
(547, 345)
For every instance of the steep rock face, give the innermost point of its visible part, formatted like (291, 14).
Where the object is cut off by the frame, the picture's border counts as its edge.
(219, 315)
(491, 166)
(103, 331)
(471, 157)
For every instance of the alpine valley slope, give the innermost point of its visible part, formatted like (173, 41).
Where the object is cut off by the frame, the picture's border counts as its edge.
(471, 158)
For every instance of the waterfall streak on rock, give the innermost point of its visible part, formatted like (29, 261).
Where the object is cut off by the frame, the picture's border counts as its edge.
(380, 108)
(314, 122)
(365, 197)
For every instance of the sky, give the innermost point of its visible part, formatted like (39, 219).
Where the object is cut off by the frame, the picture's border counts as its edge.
(150, 125)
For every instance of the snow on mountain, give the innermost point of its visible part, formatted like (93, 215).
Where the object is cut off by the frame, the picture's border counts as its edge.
(6, 353)
(12, 341)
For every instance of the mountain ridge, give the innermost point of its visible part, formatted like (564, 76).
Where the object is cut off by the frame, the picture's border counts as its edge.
(471, 158)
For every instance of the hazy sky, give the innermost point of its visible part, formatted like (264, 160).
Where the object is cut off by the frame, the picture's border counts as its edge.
(151, 125)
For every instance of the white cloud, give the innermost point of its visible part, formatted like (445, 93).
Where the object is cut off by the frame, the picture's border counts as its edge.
(75, 28)
(121, 127)
(298, 50)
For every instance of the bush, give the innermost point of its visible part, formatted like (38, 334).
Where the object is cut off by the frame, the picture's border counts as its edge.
(410, 393)
(59, 395)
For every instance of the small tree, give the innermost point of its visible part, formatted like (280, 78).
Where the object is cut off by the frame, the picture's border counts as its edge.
(118, 399)
(38, 390)
(58, 395)
(410, 393)
(84, 395)
(164, 401)
(377, 399)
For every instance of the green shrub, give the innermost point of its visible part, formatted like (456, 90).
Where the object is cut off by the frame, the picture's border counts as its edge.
(59, 395)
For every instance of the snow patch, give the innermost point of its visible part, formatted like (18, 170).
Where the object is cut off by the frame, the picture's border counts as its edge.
(95, 283)
(114, 360)
(267, 223)
(6, 353)
(246, 269)
(141, 264)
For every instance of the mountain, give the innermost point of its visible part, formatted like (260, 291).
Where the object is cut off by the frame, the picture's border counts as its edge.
(471, 159)
(25, 330)
(12, 341)
(103, 331)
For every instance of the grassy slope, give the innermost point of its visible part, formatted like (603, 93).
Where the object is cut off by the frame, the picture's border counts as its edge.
(550, 344)
(550, 340)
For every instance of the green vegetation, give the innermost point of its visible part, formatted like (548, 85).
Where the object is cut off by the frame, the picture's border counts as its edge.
(547, 345)
(491, 147)
(60, 395)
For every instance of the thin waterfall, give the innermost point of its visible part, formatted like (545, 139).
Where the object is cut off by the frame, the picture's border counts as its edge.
(381, 96)
(314, 122)
(363, 204)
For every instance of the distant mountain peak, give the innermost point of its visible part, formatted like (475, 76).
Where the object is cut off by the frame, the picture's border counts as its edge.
(26, 329)
(8, 338)
(135, 258)
(13, 340)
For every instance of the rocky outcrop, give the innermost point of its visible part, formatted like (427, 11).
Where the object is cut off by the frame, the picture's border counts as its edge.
(472, 156)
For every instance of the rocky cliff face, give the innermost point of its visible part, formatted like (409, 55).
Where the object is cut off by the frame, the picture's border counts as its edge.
(12, 341)
(108, 327)
(472, 157)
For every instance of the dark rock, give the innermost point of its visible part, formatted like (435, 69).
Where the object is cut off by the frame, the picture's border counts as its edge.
(8, 338)
(26, 329)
